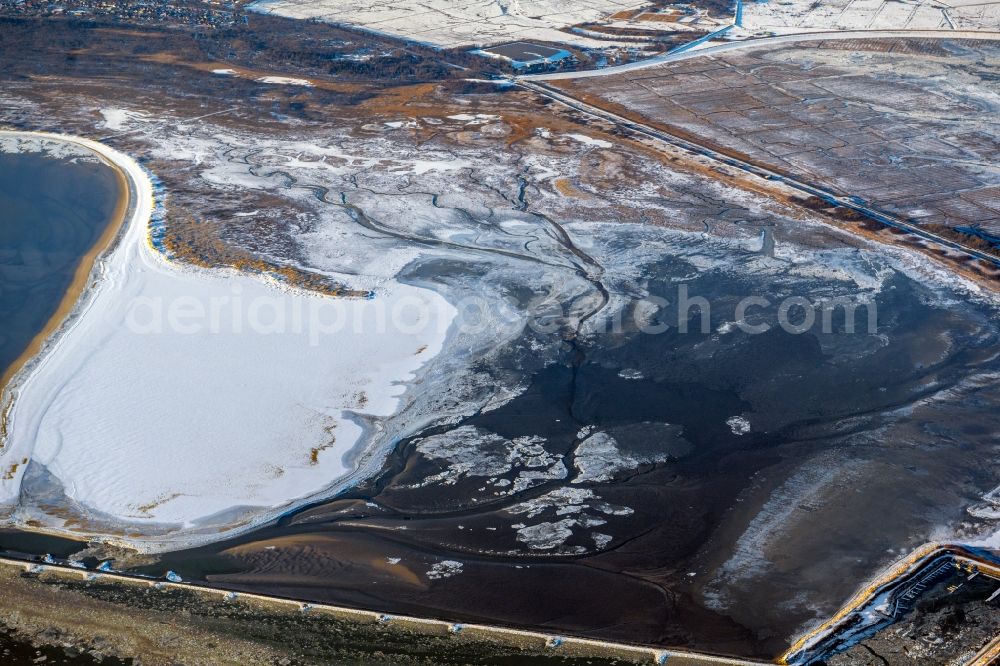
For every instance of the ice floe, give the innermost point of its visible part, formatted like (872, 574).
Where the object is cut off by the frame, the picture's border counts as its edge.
(739, 425)
(185, 398)
(285, 81)
(444, 569)
(571, 509)
(468, 451)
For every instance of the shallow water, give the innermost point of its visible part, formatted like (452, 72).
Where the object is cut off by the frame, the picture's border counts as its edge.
(697, 530)
(755, 480)
(52, 211)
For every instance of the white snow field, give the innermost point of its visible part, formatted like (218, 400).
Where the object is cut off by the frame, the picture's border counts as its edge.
(188, 399)
(764, 17)
(464, 23)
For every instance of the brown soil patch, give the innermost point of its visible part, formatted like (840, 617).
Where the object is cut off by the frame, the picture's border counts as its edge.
(624, 15)
(566, 188)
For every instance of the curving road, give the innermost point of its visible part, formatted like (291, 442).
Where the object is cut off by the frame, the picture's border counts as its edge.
(688, 51)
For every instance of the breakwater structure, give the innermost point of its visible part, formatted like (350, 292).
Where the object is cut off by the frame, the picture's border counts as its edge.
(889, 596)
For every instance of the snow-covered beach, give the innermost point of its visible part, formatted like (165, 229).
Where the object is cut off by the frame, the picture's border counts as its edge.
(107, 225)
(177, 403)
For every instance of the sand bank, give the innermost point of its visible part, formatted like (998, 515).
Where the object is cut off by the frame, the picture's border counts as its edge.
(80, 276)
(261, 629)
(177, 405)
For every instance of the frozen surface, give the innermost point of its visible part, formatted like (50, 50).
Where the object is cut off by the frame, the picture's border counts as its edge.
(179, 394)
(284, 80)
(598, 458)
(764, 526)
(12, 142)
(792, 16)
(571, 512)
(444, 23)
(117, 119)
(471, 452)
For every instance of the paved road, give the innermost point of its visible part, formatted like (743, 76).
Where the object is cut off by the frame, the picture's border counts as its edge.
(687, 51)
(847, 201)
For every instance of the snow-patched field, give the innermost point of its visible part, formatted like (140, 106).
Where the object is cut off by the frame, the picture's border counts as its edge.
(193, 397)
(790, 16)
(469, 22)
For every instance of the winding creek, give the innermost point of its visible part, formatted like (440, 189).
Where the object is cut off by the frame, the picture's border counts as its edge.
(659, 488)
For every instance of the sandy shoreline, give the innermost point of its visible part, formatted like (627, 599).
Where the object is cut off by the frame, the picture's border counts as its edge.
(97, 390)
(81, 275)
(263, 629)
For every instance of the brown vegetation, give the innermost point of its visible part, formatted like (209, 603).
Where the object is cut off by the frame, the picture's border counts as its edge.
(198, 242)
(266, 43)
(964, 238)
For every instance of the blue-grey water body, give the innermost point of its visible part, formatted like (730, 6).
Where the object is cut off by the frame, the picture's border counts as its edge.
(743, 485)
(714, 489)
(52, 212)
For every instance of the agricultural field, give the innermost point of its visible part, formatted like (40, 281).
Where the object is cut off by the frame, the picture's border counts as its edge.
(467, 23)
(763, 17)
